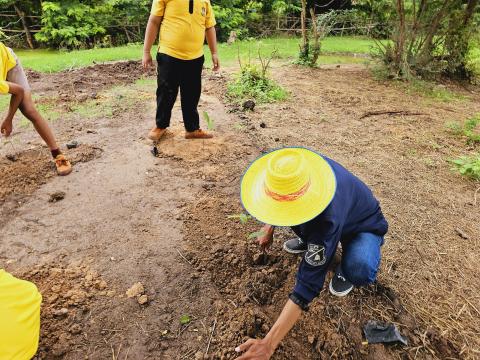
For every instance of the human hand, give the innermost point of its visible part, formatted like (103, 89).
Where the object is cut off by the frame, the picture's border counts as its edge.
(147, 60)
(6, 128)
(216, 62)
(265, 237)
(255, 350)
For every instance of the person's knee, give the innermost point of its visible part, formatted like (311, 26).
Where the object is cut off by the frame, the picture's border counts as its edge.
(360, 272)
(30, 112)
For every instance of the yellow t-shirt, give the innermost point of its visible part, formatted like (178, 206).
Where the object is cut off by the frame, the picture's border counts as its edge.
(182, 33)
(19, 318)
(7, 63)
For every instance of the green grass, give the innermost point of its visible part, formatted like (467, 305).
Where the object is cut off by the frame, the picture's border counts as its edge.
(433, 91)
(54, 61)
(470, 129)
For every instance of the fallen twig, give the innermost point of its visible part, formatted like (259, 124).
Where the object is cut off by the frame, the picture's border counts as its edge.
(183, 257)
(211, 334)
(390, 112)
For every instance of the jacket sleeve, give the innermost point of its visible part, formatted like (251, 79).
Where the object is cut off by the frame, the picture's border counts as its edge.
(322, 241)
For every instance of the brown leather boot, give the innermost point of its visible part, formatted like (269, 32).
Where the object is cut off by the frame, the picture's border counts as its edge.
(198, 134)
(63, 165)
(156, 134)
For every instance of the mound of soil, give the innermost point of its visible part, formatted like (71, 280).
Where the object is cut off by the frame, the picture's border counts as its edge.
(30, 170)
(69, 293)
(84, 83)
(34, 167)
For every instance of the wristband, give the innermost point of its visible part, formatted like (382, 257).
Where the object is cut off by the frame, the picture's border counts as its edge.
(298, 301)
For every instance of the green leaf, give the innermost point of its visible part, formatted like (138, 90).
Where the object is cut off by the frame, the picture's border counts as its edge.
(209, 121)
(243, 218)
(185, 319)
(256, 234)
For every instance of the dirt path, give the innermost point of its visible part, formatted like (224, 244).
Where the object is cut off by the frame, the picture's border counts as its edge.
(128, 217)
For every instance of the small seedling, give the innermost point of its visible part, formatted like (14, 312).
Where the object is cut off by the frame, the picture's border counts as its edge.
(185, 319)
(210, 122)
(243, 218)
(256, 234)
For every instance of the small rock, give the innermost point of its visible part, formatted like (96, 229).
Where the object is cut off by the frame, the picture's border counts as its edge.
(102, 285)
(61, 312)
(277, 139)
(11, 157)
(57, 196)
(136, 290)
(75, 329)
(311, 339)
(142, 300)
(90, 131)
(208, 237)
(249, 105)
(229, 234)
(198, 355)
(263, 125)
(72, 145)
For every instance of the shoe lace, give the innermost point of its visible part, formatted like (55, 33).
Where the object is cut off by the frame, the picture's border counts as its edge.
(341, 277)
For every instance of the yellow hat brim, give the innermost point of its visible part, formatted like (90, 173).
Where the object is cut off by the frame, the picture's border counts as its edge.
(288, 213)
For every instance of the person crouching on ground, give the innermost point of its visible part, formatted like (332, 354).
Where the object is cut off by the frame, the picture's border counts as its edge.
(14, 81)
(19, 318)
(325, 205)
(183, 27)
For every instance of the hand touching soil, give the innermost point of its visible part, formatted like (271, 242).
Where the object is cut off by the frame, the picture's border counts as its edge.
(265, 237)
(255, 350)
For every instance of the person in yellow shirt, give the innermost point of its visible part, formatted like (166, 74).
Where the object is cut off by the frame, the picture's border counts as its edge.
(14, 81)
(19, 318)
(183, 26)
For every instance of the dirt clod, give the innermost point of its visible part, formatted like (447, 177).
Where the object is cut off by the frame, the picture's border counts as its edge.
(57, 196)
(11, 157)
(143, 299)
(137, 289)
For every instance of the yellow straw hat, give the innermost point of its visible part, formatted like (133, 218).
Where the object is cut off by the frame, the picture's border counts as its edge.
(288, 186)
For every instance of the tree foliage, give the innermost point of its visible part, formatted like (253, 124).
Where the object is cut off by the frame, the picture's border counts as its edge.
(432, 37)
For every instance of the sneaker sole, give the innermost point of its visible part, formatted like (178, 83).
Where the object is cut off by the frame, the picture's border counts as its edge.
(295, 252)
(339, 294)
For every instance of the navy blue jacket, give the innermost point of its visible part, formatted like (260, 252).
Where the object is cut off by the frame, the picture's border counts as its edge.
(353, 210)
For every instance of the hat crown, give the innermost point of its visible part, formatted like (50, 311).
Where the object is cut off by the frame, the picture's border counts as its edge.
(287, 172)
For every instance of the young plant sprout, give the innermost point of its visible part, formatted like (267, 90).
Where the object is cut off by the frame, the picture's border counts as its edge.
(243, 218)
(210, 122)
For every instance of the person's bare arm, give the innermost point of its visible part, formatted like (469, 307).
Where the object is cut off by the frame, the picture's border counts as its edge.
(263, 349)
(211, 36)
(153, 27)
(17, 93)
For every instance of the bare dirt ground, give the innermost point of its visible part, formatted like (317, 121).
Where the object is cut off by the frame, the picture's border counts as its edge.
(127, 217)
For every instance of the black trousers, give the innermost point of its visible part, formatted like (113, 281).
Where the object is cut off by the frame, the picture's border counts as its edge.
(173, 74)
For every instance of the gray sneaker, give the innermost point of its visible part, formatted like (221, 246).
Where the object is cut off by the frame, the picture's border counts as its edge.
(339, 285)
(295, 246)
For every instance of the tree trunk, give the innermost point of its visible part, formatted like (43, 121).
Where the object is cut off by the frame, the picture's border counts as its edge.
(304, 49)
(469, 11)
(316, 38)
(400, 42)
(21, 14)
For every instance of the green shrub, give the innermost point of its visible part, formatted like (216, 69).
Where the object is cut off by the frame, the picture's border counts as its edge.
(252, 83)
(470, 129)
(472, 63)
(468, 166)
